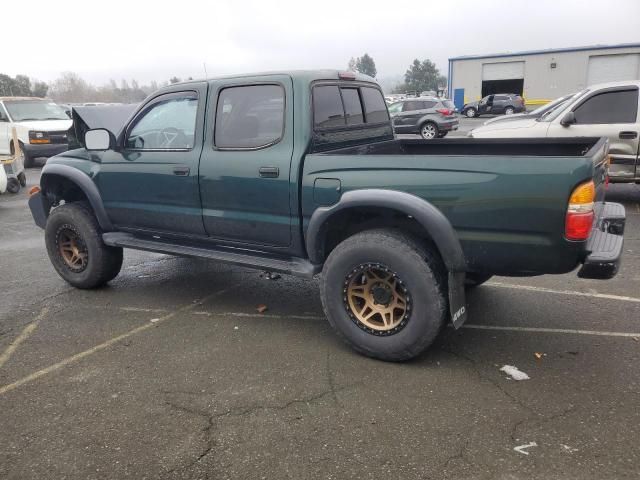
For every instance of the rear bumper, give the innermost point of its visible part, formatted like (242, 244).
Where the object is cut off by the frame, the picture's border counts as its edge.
(448, 126)
(605, 244)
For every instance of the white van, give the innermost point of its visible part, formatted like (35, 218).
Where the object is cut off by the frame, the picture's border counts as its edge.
(41, 126)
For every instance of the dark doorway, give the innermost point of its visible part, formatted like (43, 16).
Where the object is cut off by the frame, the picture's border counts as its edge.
(514, 85)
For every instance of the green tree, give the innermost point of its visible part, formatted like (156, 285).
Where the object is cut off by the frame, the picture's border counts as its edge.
(363, 64)
(421, 76)
(174, 80)
(39, 89)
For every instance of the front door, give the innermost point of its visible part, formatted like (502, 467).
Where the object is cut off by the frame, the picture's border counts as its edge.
(485, 104)
(244, 170)
(151, 181)
(612, 113)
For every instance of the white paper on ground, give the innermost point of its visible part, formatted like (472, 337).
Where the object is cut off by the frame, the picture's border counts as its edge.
(514, 373)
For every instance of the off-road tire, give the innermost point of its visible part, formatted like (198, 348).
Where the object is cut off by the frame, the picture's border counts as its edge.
(103, 262)
(476, 279)
(419, 269)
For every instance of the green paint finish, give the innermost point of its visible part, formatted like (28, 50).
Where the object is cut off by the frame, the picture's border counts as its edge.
(507, 209)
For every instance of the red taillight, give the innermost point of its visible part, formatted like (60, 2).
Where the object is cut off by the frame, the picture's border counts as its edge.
(578, 225)
(444, 111)
(579, 220)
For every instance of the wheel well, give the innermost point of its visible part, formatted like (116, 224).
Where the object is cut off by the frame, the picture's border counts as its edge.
(348, 222)
(58, 188)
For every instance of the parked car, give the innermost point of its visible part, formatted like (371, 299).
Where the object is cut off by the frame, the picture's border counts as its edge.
(507, 103)
(608, 110)
(537, 113)
(235, 170)
(428, 116)
(41, 126)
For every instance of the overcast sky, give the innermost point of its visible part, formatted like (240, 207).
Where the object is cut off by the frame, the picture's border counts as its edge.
(154, 40)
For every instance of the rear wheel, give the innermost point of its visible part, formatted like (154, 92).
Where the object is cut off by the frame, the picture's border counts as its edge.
(509, 111)
(384, 294)
(74, 244)
(429, 130)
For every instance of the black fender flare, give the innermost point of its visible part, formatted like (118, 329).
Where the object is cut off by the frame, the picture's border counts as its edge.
(84, 183)
(433, 220)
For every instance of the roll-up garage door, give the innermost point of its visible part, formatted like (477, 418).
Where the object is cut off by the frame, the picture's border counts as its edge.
(502, 70)
(612, 68)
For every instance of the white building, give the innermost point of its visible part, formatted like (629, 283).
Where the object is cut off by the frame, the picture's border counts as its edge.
(541, 75)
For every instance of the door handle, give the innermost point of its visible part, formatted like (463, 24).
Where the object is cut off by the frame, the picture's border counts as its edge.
(628, 135)
(269, 172)
(181, 170)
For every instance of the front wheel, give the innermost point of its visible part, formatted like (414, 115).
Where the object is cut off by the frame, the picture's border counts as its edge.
(384, 294)
(74, 244)
(471, 113)
(429, 131)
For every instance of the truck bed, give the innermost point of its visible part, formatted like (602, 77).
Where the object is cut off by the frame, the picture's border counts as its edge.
(506, 199)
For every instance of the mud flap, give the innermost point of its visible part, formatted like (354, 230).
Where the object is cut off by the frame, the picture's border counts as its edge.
(457, 299)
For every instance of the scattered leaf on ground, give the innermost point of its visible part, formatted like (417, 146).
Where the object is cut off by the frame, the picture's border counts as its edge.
(262, 308)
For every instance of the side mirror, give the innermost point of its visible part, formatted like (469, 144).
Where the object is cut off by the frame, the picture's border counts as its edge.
(568, 119)
(99, 139)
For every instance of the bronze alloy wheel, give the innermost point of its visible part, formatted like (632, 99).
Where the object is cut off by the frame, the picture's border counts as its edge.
(72, 249)
(376, 299)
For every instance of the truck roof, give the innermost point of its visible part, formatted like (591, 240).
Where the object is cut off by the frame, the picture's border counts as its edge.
(305, 75)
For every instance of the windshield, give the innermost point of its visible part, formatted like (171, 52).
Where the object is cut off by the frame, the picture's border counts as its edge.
(22, 110)
(559, 108)
(548, 106)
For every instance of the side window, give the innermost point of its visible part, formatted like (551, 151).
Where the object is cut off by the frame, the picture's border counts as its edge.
(3, 116)
(167, 125)
(327, 107)
(395, 107)
(249, 116)
(374, 107)
(352, 106)
(429, 104)
(609, 107)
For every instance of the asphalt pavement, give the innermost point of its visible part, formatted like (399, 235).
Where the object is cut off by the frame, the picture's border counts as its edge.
(171, 372)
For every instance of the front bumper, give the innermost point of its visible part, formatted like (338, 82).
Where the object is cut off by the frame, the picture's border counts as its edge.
(605, 244)
(44, 150)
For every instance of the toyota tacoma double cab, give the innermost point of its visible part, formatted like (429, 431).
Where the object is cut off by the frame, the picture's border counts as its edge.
(300, 172)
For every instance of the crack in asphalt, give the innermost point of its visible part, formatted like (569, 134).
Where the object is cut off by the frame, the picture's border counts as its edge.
(213, 419)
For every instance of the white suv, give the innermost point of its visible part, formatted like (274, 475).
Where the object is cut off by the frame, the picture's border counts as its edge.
(41, 126)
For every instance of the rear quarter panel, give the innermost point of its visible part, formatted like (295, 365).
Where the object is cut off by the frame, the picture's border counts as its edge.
(509, 212)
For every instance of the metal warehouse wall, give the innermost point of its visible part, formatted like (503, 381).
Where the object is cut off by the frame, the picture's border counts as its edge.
(541, 82)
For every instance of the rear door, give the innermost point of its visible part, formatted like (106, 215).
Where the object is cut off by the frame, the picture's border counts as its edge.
(245, 165)
(499, 103)
(611, 113)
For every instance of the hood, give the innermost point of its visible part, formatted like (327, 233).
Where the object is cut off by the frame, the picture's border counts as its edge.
(46, 125)
(471, 104)
(110, 117)
(507, 126)
(509, 118)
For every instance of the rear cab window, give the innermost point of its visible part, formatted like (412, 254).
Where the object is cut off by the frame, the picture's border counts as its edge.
(344, 105)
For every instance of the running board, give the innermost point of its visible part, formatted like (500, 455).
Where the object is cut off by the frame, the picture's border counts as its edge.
(291, 266)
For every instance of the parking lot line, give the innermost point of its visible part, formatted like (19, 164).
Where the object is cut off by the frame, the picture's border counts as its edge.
(79, 356)
(530, 288)
(552, 330)
(26, 332)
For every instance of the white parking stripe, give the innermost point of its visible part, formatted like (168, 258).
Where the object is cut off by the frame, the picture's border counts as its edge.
(26, 332)
(552, 330)
(606, 296)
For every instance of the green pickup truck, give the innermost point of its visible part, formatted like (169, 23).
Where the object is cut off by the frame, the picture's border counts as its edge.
(300, 173)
